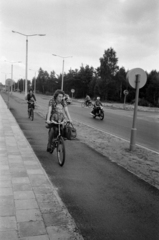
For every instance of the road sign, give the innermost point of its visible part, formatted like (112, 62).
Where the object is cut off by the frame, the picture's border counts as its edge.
(126, 92)
(137, 79)
(72, 90)
(142, 77)
(9, 82)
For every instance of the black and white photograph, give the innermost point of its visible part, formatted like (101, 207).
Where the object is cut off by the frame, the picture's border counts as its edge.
(79, 120)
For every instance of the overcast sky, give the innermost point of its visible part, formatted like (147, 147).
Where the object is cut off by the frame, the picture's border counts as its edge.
(79, 28)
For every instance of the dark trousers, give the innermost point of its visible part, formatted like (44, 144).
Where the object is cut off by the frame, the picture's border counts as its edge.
(52, 133)
(50, 136)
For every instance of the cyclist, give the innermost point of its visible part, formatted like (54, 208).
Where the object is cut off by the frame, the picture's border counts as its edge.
(57, 111)
(97, 105)
(30, 98)
(87, 100)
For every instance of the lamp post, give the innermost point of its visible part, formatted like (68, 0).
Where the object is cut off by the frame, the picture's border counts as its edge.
(5, 77)
(26, 66)
(62, 68)
(12, 63)
(34, 80)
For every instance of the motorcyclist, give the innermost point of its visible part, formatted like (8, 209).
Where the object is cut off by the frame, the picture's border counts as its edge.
(97, 106)
(30, 98)
(87, 100)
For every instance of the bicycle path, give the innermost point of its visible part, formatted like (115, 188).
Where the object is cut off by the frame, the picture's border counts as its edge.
(106, 201)
(30, 207)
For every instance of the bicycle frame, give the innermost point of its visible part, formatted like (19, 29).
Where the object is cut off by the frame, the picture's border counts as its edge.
(56, 142)
(31, 105)
(59, 128)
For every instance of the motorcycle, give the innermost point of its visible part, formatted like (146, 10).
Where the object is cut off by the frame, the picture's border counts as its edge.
(99, 112)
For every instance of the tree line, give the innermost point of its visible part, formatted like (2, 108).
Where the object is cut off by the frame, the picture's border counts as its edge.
(107, 81)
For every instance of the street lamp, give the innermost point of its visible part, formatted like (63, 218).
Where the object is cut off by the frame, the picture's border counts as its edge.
(26, 68)
(12, 71)
(34, 80)
(62, 68)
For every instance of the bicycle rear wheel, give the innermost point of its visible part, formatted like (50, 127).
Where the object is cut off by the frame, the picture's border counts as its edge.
(102, 116)
(32, 114)
(61, 151)
(29, 113)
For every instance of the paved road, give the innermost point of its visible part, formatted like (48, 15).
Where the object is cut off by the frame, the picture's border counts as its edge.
(117, 122)
(106, 201)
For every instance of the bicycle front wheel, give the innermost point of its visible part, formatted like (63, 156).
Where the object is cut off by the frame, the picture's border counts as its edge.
(90, 105)
(61, 151)
(82, 104)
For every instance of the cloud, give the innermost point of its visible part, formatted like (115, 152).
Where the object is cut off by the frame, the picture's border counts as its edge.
(83, 29)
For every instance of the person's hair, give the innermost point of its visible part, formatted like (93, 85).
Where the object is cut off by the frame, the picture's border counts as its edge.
(57, 92)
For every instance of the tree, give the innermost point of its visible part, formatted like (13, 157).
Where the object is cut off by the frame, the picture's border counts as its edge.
(121, 83)
(108, 64)
(152, 90)
(107, 70)
(42, 78)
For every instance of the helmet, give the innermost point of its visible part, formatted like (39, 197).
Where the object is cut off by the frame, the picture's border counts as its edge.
(98, 98)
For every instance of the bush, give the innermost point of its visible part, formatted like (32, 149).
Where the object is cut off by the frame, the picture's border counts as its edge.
(142, 102)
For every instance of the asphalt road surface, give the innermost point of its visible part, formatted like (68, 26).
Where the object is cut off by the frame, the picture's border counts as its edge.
(106, 201)
(116, 122)
(119, 123)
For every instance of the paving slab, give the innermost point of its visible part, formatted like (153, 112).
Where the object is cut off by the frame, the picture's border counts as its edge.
(24, 195)
(8, 223)
(9, 235)
(28, 215)
(27, 229)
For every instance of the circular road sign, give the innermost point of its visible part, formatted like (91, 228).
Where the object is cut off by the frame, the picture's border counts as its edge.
(131, 76)
(9, 82)
(126, 92)
(72, 90)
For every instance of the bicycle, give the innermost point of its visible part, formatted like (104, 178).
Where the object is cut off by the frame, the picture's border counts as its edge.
(31, 111)
(88, 104)
(58, 143)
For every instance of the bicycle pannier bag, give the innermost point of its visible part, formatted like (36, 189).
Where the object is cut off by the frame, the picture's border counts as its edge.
(70, 131)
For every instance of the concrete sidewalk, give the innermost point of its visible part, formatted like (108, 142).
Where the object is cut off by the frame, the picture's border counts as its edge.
(30, 208)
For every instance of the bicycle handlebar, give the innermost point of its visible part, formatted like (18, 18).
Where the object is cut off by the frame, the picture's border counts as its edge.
(58, 123)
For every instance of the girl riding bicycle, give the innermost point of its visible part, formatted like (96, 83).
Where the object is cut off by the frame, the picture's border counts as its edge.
(30, 98)
(57, 111)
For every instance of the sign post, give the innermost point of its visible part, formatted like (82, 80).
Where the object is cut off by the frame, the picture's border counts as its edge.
(125, 93)
(72, 91)
(133, 130)
(137, 79)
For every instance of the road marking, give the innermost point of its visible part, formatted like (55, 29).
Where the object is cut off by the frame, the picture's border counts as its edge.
(118, 137)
